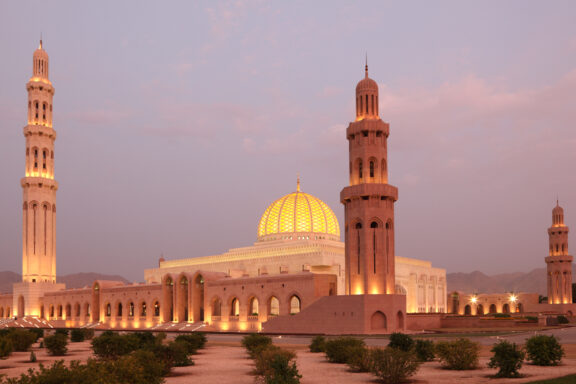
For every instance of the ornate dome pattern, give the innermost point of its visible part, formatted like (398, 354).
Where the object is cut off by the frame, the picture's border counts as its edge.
(298, 212)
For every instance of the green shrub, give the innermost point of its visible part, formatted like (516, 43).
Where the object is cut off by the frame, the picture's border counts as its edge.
(318, 344)
(341, 349)
(460, 354)
(194, 341)
(532, 319)
(111, 345)
(77, 335)
(6, 347)
(424, 349)
(361, 359)
(393, 365)
(276, 365)
(401, 341)
(88, 333)
(255, 342)
(33, 357)
(38, 332)
(179, 354)
(138, 368)
(563, 319)
(22, 339)
(265, 356)
(508, 358)
(57, 344)
(62, 331)
(544, 350)
(283, 371)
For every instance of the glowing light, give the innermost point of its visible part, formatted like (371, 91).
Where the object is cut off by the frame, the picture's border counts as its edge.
(242, 326)
(513, 298)
(358, 290)
(298, 212)
(224, 326)
(474, 299)
(374, 291)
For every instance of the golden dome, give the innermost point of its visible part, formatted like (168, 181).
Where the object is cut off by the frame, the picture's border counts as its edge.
(298, 216)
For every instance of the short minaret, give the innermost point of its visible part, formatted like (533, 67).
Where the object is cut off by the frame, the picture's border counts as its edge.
(39, 193)
(369, 199)
(559, 262)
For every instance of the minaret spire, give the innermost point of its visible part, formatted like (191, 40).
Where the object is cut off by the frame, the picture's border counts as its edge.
(297, 182)
(366, 67)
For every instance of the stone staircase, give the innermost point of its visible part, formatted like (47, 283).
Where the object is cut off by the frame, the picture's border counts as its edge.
(179, 327)
(25, 322)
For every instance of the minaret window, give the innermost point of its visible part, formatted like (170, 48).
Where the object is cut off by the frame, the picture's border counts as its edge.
(372, 105)
(361, 107)
(371, 169)
(36, 114)
(374, 226)
(360, 169)
(358, 228)
(366, 104)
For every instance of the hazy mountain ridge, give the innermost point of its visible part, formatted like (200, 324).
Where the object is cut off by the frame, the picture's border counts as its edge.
(478, 282)
(74, 280)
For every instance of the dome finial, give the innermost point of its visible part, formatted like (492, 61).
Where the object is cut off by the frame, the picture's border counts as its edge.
(40, 47)
(298, 182)
(366, 68)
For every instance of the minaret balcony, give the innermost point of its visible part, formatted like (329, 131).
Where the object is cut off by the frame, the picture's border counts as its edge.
(368, 189)
(41, 182)
(41, 130)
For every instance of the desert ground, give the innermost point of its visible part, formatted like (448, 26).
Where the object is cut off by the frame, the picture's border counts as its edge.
(225, 361)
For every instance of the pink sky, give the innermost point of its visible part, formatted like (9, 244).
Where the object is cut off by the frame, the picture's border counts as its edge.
(178, 123)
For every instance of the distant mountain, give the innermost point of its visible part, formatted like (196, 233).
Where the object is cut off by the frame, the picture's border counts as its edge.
(75, 280)
(478, 282)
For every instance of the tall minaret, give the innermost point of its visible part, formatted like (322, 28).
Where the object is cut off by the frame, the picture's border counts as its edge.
(559, 262)
(39, 193)
(369, 200)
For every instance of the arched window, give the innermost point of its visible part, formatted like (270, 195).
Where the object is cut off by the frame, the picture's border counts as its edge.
(506, 308)
(216, 307)
(366, 104)
(143, 309)
(361, 106)
(108, 310)
(371, 168)
(254, 310)
(51, 311)
(467, 310)
(235, 307)
(374, 226)
(295, 305)
(77, 308)
(119, 312)
(360, 169)
(358, 228)
(274, 306)
(131, 309)
(156, 309)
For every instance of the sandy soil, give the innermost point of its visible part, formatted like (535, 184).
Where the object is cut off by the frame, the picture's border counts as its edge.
(216, 364)
(229, 364)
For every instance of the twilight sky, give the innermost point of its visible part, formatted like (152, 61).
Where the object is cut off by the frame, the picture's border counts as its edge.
(180, 122)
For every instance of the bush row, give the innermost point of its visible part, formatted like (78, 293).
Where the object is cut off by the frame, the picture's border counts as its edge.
(404, 354)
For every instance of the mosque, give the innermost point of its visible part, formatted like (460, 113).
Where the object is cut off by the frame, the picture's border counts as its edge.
(298, 277)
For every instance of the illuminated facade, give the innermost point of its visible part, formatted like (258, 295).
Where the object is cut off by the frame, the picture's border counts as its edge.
(297, 276)
(39, 194)
(559, 262)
